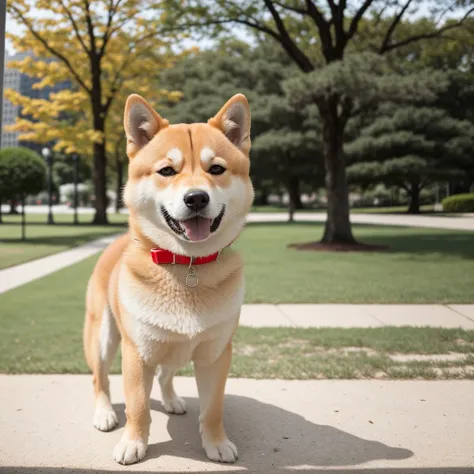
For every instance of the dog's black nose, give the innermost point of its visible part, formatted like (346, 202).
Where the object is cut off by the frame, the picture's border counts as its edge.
(196, 200)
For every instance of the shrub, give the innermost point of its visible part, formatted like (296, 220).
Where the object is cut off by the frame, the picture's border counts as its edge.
(22, 172)
(459, 203)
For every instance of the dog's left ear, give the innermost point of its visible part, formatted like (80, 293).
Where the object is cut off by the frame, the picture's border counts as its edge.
(234, 121)
(141, 123)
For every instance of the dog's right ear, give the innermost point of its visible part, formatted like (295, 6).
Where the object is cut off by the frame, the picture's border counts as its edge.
(141, 123)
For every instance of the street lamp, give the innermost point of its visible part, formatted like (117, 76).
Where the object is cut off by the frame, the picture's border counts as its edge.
(46, 152)
(75, 158)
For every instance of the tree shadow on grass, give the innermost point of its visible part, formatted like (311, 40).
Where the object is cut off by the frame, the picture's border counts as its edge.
(454, 243)
(268, 438)
(61, 240)
(404, 240)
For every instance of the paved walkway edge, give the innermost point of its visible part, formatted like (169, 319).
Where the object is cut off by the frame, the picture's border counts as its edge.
(358, 315)
(24, 273)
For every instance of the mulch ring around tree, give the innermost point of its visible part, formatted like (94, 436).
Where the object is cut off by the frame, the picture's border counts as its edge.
(326, 247)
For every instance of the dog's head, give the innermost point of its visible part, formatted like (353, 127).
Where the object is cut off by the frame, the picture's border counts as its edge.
(188, 188)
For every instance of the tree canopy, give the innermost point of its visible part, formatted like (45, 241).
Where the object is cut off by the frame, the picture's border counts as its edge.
(313, 33)
(106, 49)
(410, 147)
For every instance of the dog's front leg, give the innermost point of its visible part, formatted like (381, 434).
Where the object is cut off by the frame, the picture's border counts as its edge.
(138, 381)
(211, 380)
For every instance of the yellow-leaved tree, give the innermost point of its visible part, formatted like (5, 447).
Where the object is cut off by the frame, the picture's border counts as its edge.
(106, 49)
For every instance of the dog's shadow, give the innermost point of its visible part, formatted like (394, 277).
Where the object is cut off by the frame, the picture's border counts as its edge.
(268, 436)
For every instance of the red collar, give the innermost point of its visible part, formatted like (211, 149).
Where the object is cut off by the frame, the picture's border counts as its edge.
(164, 257)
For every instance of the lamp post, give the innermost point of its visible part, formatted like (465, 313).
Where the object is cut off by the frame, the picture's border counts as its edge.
(46, 152)
(75, 158)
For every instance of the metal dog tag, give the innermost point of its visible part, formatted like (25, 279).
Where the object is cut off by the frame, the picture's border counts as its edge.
(192, 279)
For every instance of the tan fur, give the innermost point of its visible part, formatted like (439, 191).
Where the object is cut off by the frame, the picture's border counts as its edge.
(161, 321)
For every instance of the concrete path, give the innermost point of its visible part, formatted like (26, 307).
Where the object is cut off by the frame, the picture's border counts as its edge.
(353, 315)
(374, 427)
(455, 223)
(465, 222)
(24, 273)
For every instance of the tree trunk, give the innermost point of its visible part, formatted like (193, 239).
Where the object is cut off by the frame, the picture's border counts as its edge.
(119, 190)
(294, 192)
(23, 226)
(13, 210)
(100, 184)
(338, 226)
(291, 204)
(100, 158)
(414, 207)
(264, 195)
(261, 193)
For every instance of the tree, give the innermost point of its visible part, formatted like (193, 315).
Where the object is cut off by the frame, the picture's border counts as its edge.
(410, 147)
(22, 172)
(335, 28)
(286, 149)
(102, 47)
(63, 169)
(258, 72)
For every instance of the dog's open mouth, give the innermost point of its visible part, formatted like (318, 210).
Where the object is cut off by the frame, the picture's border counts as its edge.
(196, 228)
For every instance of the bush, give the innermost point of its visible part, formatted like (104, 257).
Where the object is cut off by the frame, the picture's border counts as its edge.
(22, 172)
(459, 203)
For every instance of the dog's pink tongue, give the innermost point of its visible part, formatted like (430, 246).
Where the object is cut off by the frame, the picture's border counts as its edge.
(197, 228)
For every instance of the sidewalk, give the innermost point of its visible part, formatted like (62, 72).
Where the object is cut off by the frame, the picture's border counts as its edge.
(279, 426)
(403, 220)
(354, 315)
(463, 222)
(24, 273)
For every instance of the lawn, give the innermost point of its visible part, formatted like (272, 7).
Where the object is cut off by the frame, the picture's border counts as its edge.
(41, 332)
(422, 266)
(43, 239)
(41, 322)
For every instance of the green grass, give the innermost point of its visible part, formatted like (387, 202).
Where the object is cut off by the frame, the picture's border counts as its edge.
(43, 239)
(114, 219)
(43, 334)
(41, 322)
(334, 353)
(422, 266)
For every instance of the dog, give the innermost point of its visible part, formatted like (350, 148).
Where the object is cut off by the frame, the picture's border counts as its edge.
(171, 289)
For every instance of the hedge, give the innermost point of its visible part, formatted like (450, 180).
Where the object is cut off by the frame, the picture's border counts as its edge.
(459, 203)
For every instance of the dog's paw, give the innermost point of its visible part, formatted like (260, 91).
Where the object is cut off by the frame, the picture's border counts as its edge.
(105, 418)
(129, 452)
(175, 405)
(225, 451)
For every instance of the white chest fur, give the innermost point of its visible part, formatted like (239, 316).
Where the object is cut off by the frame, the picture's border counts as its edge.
(172, 324)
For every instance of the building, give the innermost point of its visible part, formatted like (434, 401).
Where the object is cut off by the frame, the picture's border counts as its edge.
(11, 80)
(14, 79)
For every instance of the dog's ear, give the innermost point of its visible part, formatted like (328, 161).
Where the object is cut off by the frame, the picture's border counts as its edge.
(141, 123)
(234, 121)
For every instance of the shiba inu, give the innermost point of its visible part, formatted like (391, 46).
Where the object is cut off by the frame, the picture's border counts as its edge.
(171, 290)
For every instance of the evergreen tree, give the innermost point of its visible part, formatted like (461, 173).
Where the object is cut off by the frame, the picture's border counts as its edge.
(410, 147)
(283, 147)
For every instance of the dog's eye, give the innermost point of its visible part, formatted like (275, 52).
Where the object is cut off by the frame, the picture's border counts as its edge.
(216, 169)
(167, 171)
